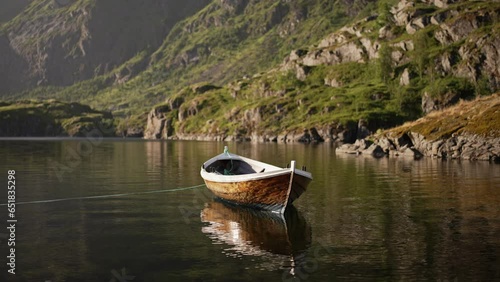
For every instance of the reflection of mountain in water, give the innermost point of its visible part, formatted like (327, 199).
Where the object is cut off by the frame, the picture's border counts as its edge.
(280, 240)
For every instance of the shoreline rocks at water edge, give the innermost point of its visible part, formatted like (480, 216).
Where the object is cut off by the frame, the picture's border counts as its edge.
(414, 145)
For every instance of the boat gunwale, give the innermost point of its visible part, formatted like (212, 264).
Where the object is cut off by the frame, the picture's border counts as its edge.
(277, 171)
(242, 177)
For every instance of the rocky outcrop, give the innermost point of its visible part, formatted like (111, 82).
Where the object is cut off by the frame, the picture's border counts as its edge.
(468, 131)
(478, 57)
(461, 146)
(159, 123)
(349, 44)
(464, 147)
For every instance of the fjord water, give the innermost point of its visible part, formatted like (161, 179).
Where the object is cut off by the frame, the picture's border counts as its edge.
(361, 218)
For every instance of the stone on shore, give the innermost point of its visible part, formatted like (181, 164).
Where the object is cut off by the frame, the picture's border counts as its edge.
(374, 150)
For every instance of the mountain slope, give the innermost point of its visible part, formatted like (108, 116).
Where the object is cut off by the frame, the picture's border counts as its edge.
(404, 61)
(223, 41)
(59, 43)
(229, 72)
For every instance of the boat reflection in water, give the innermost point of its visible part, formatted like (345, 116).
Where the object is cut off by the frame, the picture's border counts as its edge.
(280, 240)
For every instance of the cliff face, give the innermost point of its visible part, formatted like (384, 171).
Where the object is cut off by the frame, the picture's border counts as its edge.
(59, 43)
(222, 41)
(466, 39)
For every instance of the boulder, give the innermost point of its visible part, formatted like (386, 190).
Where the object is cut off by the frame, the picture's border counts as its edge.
(374, 150)
(411, 153)
(362, 144)
(385, 32)
(333, 82)
(405, 78)
(386, 144)
(310, 135)
(402, 12)
(347, 149)
(363, 130)
(134, 132)
(436, 145)
(442, 3)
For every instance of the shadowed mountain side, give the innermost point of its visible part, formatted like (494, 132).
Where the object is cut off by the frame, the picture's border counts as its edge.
(64, 42)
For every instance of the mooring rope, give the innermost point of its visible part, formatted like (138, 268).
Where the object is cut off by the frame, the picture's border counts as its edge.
(107, 196)
(228, 171)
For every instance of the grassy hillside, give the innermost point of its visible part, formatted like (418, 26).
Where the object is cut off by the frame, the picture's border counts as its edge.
(53, 118)
(374, 71)
(222, 42)
(273, 67)
(480, 116)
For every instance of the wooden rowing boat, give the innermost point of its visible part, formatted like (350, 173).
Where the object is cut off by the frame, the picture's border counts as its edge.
(252, 183)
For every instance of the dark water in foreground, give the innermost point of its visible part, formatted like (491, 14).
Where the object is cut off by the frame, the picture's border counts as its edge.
(361, 219)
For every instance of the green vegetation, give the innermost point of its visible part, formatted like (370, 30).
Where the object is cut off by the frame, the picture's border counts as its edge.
(52, 118)
(216, 45)
(241, 49)
(480, 116)
(277, 101)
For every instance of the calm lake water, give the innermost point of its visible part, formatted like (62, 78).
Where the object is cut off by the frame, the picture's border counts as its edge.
(361, 218)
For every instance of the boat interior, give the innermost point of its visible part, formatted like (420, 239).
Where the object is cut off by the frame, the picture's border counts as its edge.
(233, 167)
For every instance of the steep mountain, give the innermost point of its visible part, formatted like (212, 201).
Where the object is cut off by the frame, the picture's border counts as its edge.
(306, 70)
(223, 41)
(61, 42)
(402, 61)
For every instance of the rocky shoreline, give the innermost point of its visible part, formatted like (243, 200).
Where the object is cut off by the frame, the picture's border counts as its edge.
(414, 145)
(410, 145)
(469, 130)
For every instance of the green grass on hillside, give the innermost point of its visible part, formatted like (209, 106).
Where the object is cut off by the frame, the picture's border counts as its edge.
(52, 117)
(237, 49)
(480, 116)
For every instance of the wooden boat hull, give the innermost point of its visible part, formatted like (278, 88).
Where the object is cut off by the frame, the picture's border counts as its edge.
(272, 190)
